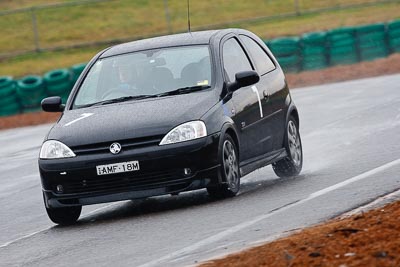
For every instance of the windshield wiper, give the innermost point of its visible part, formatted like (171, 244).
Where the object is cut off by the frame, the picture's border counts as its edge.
(185, 90)
(119, 99)
(179, 91)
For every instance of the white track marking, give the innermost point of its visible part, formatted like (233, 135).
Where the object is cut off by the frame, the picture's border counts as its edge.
(47, 228)
(246, 224)
(24, 237)
(83, 116)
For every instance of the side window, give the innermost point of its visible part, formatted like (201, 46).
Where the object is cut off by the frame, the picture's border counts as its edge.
(235, 59)
(261, 59)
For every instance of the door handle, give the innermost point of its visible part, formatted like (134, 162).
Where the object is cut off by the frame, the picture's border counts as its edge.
(266, 95)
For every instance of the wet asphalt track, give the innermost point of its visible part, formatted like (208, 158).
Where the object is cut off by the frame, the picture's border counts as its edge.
(351, 139)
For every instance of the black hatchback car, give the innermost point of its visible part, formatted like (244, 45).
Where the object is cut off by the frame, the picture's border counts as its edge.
(166, 115)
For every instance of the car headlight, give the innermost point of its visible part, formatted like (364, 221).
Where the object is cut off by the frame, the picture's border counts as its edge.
(53, 149)
(185, 132)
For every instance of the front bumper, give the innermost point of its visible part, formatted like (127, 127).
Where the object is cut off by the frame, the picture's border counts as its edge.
(161, 172)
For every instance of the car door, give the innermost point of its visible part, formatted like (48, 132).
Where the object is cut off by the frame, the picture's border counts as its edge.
(270, 89)
(245, 100)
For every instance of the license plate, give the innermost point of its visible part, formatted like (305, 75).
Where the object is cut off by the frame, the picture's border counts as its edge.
(118, 168)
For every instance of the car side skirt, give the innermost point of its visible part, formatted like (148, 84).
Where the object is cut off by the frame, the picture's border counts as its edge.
(253, 164)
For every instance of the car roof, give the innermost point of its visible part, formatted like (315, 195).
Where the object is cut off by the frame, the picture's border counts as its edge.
(182, 39)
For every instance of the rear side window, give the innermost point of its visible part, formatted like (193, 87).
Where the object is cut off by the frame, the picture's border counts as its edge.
(261, 59)
(235, 59)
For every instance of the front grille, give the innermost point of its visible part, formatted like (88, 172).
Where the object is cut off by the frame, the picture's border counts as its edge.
(125, 144)
(115, 183)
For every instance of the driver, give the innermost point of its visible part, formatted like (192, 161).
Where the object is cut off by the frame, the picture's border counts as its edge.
(126, 74)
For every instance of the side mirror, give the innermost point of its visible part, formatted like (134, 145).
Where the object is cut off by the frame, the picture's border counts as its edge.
(243, 79)
(52, 104)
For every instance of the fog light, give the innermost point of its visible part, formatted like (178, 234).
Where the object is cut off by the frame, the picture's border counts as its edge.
(60, 188)
(187, 171)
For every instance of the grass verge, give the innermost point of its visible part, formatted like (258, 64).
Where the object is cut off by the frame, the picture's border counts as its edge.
(123, 19)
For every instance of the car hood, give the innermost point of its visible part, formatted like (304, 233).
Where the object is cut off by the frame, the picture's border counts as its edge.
(128, 120)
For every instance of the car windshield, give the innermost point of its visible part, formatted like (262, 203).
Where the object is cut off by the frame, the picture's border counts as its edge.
(151, 73)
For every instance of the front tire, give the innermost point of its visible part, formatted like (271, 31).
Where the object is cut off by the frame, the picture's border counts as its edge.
(64, 216)
(293, 163)
(228, 172)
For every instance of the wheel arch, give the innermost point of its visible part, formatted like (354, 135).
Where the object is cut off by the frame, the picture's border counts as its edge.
(292, 111)
(230, 129)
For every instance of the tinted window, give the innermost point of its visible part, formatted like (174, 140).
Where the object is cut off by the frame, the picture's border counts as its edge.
(262, 61)
(235, 60)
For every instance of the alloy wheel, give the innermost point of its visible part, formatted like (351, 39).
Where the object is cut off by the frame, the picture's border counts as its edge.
(230, 165)
(294, 143)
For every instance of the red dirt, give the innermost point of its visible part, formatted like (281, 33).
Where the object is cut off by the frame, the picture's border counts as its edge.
(369, 239)
(28, 119)
(379, 67)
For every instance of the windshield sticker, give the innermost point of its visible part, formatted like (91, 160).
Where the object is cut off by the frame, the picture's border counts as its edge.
(83, 116)
(205, 82)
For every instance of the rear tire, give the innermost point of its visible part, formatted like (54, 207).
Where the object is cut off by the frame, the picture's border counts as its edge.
(293, 163)
(64, 216)
(229, 171)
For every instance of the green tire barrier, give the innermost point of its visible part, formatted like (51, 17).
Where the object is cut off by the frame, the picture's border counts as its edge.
(314, 51)
(394, 36)
(33, 109)
(341, 38)
(32, 101)
(342, 44)
(343, 60)
(395, 42)
(314, 38)
(343, 55)
(64, 98)
(9, 104)
(346, 45)
(344, 30)
(76, 70)
(290, 63)
(58, 83)
(10, 99)
(341, 41)
(59, 89)
(9, 109)
(288, 53)
(31, 91)
(56, 77)
(282, 47)
(372, 41)
(394, 25)
(378, 27)
(395, 45)
(314, 65)
(7, 86)
(375, 38)
(373, 53)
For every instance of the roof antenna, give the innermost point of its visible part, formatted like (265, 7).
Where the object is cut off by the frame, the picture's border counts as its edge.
(188, 15)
